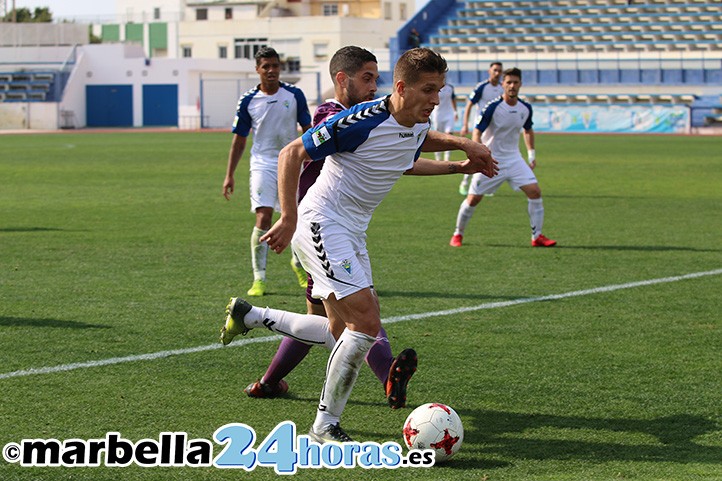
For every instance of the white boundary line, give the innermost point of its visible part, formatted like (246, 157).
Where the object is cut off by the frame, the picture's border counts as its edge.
(390, 320)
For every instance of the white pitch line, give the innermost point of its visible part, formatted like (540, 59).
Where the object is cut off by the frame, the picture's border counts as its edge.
(390, 320)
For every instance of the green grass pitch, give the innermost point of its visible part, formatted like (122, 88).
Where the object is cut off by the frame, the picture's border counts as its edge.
(117, 245)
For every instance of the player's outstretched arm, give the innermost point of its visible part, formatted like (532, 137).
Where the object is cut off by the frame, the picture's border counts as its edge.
(478, 154)
(424, 166)
(290, 160)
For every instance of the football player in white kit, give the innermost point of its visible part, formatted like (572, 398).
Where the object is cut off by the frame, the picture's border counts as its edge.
(271, 109)
(444, 116)
(369, 146)
(498, 128)
(483, 93)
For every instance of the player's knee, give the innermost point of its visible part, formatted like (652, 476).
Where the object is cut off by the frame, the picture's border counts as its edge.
(365, 319)
(264, 217)
(473, 200)
(533, 191)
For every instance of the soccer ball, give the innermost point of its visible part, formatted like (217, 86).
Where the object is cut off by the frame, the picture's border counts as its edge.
(434, 426)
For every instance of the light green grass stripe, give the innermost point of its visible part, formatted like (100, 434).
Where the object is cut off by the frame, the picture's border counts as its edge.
(390, 320)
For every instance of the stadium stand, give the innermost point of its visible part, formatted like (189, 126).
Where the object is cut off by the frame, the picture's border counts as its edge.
(28, 86)
(588, 52)
(557, 26)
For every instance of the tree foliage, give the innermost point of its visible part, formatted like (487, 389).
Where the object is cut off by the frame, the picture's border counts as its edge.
(24, 15)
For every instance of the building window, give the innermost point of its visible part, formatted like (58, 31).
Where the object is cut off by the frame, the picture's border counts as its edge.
(402, 11)
(156, 13)
(187, 52)
(229, 13)
(247, 47)
(293, 64)
(222, 51)
(330, 9)
(201, 14)
(387, 10)
(320, 51)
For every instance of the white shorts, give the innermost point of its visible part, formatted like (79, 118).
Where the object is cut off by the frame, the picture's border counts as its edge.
(336, 258)
(264, 189)
(443, 123)
(516, 172)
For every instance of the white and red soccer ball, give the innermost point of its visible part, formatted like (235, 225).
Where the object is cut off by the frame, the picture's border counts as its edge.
(434, 426)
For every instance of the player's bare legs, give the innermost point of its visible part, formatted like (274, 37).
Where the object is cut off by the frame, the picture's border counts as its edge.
(466, 211)
(361, 316)
(536, 216)
(259, 250)
(393, 373)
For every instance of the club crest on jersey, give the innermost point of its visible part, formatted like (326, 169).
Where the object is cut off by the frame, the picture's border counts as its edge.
(286, 103)
(320, 136)
(346, 266)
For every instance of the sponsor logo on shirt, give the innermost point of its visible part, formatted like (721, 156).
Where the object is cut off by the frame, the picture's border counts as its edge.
(271, 101)
(405, 135)
(320, 136)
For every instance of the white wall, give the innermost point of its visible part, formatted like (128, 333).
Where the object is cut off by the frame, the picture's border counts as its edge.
(28, 115)
(42, 34)
(117, 64)
(138, 11)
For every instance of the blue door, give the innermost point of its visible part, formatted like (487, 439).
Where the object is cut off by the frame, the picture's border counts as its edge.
(160, 105)
(109, 105)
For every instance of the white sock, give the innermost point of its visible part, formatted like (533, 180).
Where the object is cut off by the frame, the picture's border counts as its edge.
(342, 369)
(306, 328)
(437, 155)
(466, 180)
(259, 254)
(536, 217)
(447, 155)
(464, 216)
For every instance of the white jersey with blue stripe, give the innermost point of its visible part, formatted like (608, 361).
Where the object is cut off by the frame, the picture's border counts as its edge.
(485, 92)
(446, 108)
(500, 124)
(366, 152)
(273, 119)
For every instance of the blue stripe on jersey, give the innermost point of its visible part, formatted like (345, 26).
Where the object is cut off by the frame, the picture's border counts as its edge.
(475, 95)
(243, 122)
(345, 131)
(303, 116)
(487, 113)
(528, 124)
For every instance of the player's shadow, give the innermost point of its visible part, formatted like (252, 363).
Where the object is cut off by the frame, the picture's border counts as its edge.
(649, 248)
(30, 229)
(44, 322)
(641, 248)
(665, 439)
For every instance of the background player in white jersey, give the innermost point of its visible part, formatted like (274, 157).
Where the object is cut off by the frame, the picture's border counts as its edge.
(369, 146)
(498, 128)
(271, 109)
(444, 116)
(483, 93)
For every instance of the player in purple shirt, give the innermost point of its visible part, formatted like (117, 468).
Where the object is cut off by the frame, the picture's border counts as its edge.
(354, 71)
